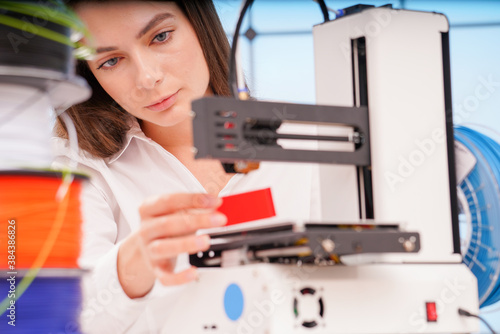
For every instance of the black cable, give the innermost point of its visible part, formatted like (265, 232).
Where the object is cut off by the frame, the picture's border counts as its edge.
(468, 314)
(233, 79)
(324, 10)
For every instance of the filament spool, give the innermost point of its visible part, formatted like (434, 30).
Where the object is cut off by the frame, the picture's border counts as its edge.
(31, 60)
(20, 147)
(479, 204)
(24, 48)
(36, 77)
(29, 198)
(51, 304)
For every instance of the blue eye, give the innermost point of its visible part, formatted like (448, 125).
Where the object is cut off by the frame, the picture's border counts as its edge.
(112, 62)
(109, 63)
(162, 37)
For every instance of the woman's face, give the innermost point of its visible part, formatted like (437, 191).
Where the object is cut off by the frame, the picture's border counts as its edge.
(149, 59)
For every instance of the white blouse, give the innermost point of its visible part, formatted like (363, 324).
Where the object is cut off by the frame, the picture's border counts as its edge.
(110, 202)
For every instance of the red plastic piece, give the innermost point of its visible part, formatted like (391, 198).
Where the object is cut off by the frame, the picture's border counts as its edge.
(248, 206)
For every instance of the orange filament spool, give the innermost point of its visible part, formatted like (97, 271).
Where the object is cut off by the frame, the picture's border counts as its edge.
(31, 212)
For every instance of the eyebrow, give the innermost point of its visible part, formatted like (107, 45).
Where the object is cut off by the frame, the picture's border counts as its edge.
(106, 49)
(154, 22)
(151, 24)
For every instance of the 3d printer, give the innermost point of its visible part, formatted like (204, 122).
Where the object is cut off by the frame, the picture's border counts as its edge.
(385, 138)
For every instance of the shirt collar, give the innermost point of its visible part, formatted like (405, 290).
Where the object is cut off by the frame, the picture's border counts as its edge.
(135, 131)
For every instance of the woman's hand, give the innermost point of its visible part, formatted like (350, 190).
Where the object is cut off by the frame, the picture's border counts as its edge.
(168, 227)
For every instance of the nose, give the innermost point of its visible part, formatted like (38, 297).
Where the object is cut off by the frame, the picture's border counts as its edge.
(149, 73)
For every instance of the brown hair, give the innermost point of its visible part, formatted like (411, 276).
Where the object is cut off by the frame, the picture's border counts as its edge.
(101, 123)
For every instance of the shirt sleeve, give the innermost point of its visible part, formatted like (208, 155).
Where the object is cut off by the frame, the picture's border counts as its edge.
(106, 308)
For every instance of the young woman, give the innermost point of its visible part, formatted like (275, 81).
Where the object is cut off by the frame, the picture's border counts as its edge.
(148, 195)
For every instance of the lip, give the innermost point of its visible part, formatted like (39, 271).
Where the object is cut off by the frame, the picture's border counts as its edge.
(164, 103)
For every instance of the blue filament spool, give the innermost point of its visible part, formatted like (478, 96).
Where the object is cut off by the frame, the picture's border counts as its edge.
(51, 304)
(480, 213)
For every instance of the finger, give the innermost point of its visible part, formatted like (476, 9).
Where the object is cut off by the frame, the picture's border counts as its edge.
(181, 223)
(166, 266)
(170, 278)
(160, 250)
(165, 204)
